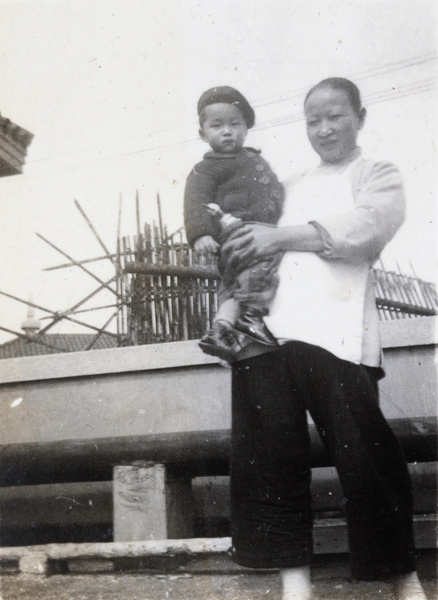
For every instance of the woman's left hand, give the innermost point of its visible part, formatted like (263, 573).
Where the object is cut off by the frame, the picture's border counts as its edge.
(250, 242)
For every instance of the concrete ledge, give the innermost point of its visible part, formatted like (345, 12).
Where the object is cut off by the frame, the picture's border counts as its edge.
(175, 387)
(102, 362)
(120, 549)
(397, 333)
(421, 331)
(330, 537)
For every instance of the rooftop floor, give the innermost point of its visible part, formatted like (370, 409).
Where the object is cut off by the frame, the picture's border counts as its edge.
(212, 578)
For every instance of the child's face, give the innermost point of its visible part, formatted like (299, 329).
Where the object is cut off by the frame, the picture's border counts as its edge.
(223, 127)
(332, 123)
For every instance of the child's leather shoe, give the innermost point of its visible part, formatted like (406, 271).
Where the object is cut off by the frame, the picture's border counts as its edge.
(220, 341)
(253, 326)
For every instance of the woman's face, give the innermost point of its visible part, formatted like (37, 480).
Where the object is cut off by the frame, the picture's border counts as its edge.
(332, 123)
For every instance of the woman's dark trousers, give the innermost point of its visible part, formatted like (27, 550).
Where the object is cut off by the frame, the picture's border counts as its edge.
(271, 470)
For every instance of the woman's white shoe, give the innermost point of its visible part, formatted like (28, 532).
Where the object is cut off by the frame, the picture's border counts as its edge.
(408, 587)
(296, 583)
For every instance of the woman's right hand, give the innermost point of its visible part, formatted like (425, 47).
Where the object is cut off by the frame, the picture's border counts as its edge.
(250, 242)
(254, 241)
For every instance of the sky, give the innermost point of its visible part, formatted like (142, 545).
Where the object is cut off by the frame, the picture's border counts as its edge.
(109, 90)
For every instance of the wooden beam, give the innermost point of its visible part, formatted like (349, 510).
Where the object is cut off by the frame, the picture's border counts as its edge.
(192, 453)
(172, 270)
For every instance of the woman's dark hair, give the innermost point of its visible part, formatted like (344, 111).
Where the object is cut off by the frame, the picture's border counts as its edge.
(339, 83)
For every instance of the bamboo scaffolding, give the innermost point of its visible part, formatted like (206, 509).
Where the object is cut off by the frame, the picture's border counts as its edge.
(101, 331)
(399, 296)
(55, 314)
(179, 294)
(173, 290)
(78, 264)
(73, 309)
(82, 262)
(165, 292)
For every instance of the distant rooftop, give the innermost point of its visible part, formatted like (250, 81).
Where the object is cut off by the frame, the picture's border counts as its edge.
(14, 141)
(33, 343)
(55, 343)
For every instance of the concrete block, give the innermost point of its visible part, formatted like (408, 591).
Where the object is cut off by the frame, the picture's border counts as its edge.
(149, 504)
(34, 564)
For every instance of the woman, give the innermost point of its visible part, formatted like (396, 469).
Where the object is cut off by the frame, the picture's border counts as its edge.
(335, 222)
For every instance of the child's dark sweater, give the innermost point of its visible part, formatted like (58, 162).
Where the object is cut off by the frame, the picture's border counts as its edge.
(242, 184)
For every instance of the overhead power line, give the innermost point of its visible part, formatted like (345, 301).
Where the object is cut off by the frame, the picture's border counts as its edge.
(267, 101)
(367, 74)
(375, 98)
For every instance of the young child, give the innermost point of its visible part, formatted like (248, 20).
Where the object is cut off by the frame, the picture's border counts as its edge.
(242, 185)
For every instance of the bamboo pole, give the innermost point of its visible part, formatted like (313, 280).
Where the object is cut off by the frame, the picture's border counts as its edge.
(55, 314)
(137, 212)
(73, 309)
(30, 338)
(96, 235)
(160, 219)
(76, 263)
(82, 262)
(101, 331)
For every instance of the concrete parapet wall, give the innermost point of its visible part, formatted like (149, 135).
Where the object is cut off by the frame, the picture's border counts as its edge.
(174, 387)
(122, 391)
(409, 359)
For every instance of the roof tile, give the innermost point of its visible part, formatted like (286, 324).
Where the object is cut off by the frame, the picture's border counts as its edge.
(55, 343)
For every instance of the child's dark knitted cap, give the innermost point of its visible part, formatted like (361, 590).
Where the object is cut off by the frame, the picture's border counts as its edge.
(227, 95)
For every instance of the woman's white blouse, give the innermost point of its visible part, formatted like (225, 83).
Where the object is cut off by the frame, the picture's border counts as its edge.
(327, 299)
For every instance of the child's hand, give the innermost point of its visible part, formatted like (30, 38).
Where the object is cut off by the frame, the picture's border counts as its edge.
(206, 244)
